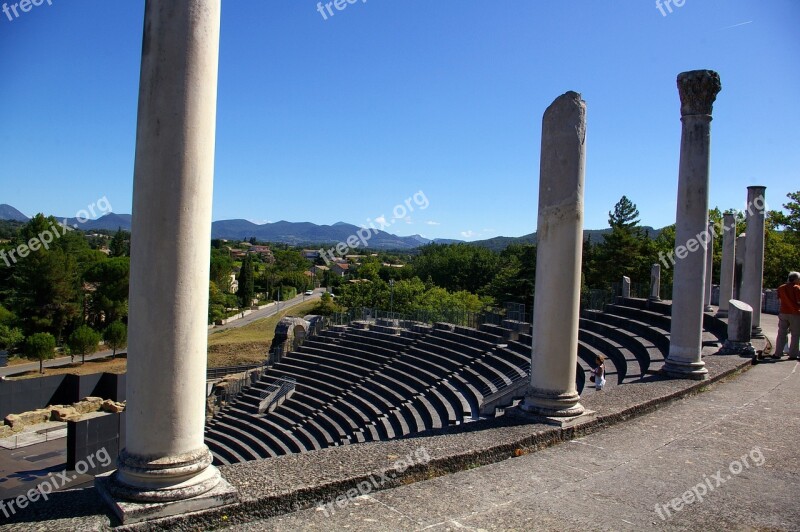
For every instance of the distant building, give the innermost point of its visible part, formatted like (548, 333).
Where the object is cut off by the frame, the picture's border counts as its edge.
(264, 252)
(340, 268)
(312, 254)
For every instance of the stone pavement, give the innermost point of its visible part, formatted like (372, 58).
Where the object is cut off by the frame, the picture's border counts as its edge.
(613, 479)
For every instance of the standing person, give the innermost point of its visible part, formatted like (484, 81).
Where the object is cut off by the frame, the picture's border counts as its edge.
(599, 373)
(789, 317)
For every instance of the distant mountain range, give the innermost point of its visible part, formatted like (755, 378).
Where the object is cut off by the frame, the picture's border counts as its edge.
(305, 233)
(499, 243)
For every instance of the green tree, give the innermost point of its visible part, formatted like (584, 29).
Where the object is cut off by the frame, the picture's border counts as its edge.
(107, 296)
(118, 247)
(625, 251)
(790, 220)
(781, 253)
(116, 336)
(44, 284)
(221, 268)
(83, 341)
(325, 306)
(457, 266)
(625, 214)
(40, 346)
(246, 282)
(515, 278)
(10, 337)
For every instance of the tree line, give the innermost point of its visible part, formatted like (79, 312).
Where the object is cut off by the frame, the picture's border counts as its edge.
(75, 291)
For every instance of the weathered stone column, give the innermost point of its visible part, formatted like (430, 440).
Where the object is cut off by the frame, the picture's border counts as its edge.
(753, 274)
(698, 90)
(165, 458)
(728, 263)
(552, 390)
(655, 282)
(740, 318)
(626, 286)
(709, 269)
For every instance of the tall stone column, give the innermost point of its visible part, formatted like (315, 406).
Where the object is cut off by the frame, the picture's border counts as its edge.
(753, 274)
(709, 269)
(728, 263)
(655, 282)
(165, 458)
(698, 89)
(552, 390)
(738, 269)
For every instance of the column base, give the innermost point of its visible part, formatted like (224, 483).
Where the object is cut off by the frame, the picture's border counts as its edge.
(757, 332)
(744, 349)
(552, 404)
(164, 479)
(518, 412)
(222, 494)
(695, 371)
(654, 298)
(708, 308)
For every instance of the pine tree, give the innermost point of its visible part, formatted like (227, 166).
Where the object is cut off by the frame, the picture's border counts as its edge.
(118, 247)
(625, 214)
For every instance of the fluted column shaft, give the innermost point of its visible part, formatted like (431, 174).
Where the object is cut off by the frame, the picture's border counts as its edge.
(698, 90)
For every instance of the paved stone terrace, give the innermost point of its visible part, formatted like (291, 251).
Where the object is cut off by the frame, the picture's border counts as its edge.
(281, 485)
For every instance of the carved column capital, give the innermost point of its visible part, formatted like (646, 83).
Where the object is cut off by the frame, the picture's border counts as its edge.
(698, 89)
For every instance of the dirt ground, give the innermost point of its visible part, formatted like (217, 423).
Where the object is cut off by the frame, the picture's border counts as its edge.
(103, 365)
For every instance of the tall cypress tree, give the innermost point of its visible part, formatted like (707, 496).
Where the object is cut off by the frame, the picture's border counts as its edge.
(246, 282)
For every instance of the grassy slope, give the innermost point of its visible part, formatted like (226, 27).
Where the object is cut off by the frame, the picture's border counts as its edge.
(248, 344)
(231, 347)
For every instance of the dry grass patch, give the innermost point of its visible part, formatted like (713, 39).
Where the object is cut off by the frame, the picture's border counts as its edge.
(102, 365)
(248, 344)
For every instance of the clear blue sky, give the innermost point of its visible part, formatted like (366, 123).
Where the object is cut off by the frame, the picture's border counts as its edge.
(342, 119)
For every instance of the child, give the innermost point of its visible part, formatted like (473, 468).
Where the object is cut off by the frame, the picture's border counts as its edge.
(599, 373)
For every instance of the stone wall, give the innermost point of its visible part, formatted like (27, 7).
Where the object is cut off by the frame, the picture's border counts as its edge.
(14, 423)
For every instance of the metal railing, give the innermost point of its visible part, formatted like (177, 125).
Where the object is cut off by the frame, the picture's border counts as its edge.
(495, 316)
(234, 388)
(217, 373)
(275, 392)
(29, 438)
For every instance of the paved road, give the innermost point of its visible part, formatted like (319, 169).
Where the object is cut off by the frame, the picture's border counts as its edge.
(736, 445)
(256, 315)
